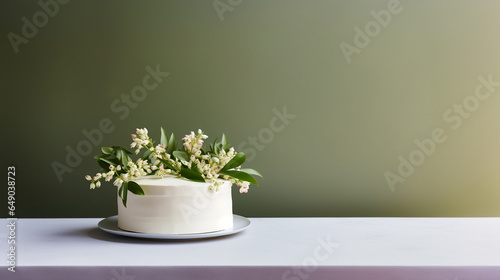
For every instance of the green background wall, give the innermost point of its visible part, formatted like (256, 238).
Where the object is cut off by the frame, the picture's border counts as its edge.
(232, 66)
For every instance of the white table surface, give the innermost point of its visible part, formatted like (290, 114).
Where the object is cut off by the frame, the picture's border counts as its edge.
(281, 248)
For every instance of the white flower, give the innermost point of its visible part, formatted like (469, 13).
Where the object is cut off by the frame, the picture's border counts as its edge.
(231, 153)
(88, 177)
(141, 133)
(244, 187)
(124, 177)
(108, 176)
(160, 148)
(92, 186)
(98, 184)
(140, 139)
(118, 182)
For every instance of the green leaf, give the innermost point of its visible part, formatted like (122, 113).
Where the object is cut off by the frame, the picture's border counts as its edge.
(164, 138)
(116, 152)
(181, 155)
(146, 154)
(236, 161)
(167, 165)
(240, 175)
(251, 171)
(172, 145)
(124, 158)
(113, 161)
(107, 150)
(120, 192)
(191, 175)
(118, 148)
(224, 141)
(100, 156)
(103, 165)
(125, 192)
(134, 188)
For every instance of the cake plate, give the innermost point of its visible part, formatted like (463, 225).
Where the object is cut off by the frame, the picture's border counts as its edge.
(110, 225)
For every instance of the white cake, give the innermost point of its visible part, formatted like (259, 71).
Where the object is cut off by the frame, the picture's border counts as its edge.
(174, 205)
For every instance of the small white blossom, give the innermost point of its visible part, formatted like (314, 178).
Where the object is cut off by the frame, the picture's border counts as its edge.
(108, 176)
(125, 177)
(243, 187)
(118, 182)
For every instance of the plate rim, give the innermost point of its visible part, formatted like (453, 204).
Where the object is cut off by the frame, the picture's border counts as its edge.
(121, 232)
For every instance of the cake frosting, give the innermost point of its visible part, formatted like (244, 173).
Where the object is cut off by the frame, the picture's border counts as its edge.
(173, 205)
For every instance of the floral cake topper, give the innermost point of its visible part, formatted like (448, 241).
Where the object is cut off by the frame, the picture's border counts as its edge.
(192, 161)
